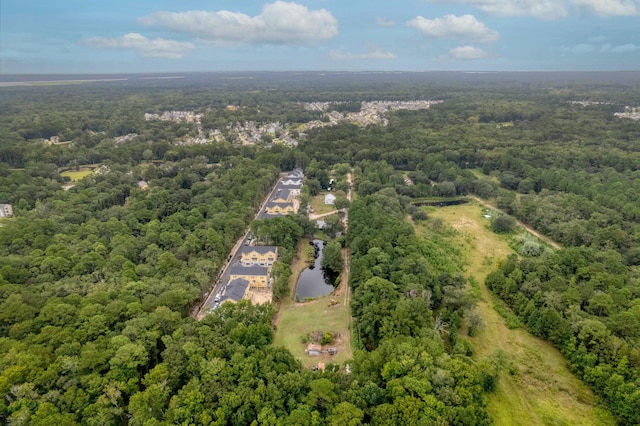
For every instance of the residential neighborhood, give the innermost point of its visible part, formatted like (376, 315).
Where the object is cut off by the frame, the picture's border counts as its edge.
(270, 133)
(370, 112)
(248, 272)
(629, 112)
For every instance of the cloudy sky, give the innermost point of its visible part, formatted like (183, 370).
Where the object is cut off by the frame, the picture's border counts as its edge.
(84, 36)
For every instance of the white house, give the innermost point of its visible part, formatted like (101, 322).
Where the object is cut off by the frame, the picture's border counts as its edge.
(6, 210)
(329, 199)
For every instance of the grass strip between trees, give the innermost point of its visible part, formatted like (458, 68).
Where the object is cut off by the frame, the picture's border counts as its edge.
(541, 390)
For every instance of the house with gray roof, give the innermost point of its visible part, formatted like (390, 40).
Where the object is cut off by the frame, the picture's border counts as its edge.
(258, 276)
(296, 174)
(258, 255)
(236, 291)
(279, 209)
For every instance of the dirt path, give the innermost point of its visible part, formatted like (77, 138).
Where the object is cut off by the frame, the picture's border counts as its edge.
(546, 239)
(313, 216)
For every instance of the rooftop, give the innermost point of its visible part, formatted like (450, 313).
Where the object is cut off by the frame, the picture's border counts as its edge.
(258, 249)
(249, 270)
(236, 290)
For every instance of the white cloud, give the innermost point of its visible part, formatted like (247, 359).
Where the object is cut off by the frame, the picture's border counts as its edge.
(373, 54)
(467, 53)
(279, 22)
(545, 9)
(552, 9)
(585, 48)
(625, 48)
(385, 22)
(465, 27)
(608, 7)
(147, 48)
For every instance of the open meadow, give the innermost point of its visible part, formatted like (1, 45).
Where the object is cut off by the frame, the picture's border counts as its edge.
(318, 205)
(76, 175)
(540, 389)
(323, 313)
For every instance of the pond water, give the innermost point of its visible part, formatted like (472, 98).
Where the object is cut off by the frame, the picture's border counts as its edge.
(314, 281)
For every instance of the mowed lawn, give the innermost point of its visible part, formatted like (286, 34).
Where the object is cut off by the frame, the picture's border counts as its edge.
(318, 205)
(76, 175)
(543, 392)
(297, 319)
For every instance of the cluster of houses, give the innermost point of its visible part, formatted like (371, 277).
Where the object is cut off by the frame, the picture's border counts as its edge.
(250, 271)
(629, 112)
(370, 112)
(285, 196)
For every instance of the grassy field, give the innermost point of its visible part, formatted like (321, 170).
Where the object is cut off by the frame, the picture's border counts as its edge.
(543, 391)
(76, 175)
(297, 319)
(318, 205)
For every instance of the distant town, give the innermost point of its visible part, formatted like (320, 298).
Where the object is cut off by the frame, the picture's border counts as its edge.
(250, 132)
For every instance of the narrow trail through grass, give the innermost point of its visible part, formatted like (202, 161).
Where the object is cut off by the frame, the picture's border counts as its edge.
(542, 391)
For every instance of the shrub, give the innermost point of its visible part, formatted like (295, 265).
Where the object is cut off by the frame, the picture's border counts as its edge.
(419, 215)
(503, 224)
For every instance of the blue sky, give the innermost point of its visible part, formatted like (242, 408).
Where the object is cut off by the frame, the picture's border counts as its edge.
(85, 36)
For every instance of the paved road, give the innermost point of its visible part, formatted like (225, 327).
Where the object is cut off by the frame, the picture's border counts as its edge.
(232, 259)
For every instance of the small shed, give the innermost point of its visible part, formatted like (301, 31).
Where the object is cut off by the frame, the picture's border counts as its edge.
(332, 351)
(313, 349)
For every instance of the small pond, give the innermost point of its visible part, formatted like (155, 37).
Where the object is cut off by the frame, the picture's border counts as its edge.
(315, 281)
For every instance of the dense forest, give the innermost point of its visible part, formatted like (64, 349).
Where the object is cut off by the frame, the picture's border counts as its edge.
(98, 276)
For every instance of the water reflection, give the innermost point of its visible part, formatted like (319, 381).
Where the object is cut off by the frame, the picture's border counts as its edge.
(315, 281)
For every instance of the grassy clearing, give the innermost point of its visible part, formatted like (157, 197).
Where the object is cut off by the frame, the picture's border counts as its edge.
(76, 175)
(297, 319)
(318, 205)
(542, 391)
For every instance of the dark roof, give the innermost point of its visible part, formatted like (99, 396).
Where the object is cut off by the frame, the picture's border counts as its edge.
(272, 205)
(236, 290)
(248, 270)
(296, 173)
(283, 186)
(258, 249)
(285, 194)
(265, 215)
